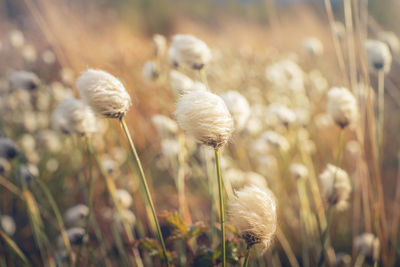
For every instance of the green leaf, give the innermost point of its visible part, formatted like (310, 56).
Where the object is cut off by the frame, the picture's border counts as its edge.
(14, 247)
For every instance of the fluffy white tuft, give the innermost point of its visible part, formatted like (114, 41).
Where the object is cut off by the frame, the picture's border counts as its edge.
(205, 116)
(238, 107)
(188, 51)
(104, 93)
(76, 215)
(378, 55)
(336, 187)
(253, 212)
(342, 106)
(74, 116)
(299, 171)
(368, 245)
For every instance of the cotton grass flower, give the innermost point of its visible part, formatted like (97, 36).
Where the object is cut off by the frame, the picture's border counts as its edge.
(205, 116)
(104, 93)
(76, 215)
(74, 116)
(284, 114)
(124, 198)
(298, 171)
(391, 39)
(150, 72)
(24, 80)
(342, 106)
(313, 46)
(188, 51)
(368, 245)
(8, 149)
(7, 224)
(286, 75)
(239, 108)
(378, 55)
(75, 236)
(181, 84)
(16, 38)
(336, 187)
(253, 212)
(275, 140)
(166, 127)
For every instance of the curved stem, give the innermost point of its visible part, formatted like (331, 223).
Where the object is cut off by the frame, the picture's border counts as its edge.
(246, 258)
(325, 236)
(144, 182)
(381, 110)
(221, 208)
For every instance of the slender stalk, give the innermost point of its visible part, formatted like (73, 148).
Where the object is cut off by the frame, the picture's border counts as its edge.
(246, 258)
(381, 110)
(203, 77)
(90, 198)
(221, 207)
(144, 182)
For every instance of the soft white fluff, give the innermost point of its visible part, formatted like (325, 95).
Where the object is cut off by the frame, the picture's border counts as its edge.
(76, 215)
(336, 187)
(74, 116)
(313, 46)
(160, 45)
(181, 84)
(149, 72)
(166, 127)
(124, 198)
(275, 140)
(253, 212)
(104, 93)
(75, 236)
(24, 80)
(391, 39)
(205, 116)
(189, 51)
(368, 245)
(299, 171)
(238, 107)
(286, 75)
(378, 55)
(342, 106)
(284, 114)
(7, 224)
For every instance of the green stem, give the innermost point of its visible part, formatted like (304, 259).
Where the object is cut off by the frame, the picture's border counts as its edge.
(246, 258)
(340, 145)
(221, 208)
(144, 182)
(325, 236)
(90, 199)
(381, 110)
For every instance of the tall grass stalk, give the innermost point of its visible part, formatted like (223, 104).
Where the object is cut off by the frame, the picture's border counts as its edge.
(14, 247)
(146, 188)
(112, 190)
(90, 198)
(381, 110)
(350, 43)
(287, 248)
(221, 207)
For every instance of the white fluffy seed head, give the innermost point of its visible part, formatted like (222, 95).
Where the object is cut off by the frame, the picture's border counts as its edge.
(166, 127)
(189, 51)
(181, 84)
(285, 115)
(205, 116)
(24, 80)
(124, 198)
(104, 93)
(150, 72)
(342, 106)
(313, 46)
(299, 171)
(378, 55)
(76, 215)
(391, 39)
(275, 140)
(336, 187)
(7, 224)
(74, 116)
(368, 245)
(253, 212)
(75, 236)
(238, 107)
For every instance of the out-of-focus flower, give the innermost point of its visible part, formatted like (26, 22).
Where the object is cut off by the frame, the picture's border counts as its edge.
(166, 127)
(170, 148)
(342, 106)
(150, 72)
(24, 80)
(276, 140)
(8, 148)
(313, 46)
(284, 115)
(286, 75)
(16, 38)
(378, 55)
(124, 198)
(299, 171)
(205, 116)
(74, 116)
(76, 215)
(7, 224)
(75, 236)
(104, 93)
(342, 260)
(368, 245)
(238, 107)
(28, 172)
(29, 53)
(253, 212)
(336, 187)
(48, 57)
(189, 51)
(391, 39)
(181, 84)
(126, 216)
